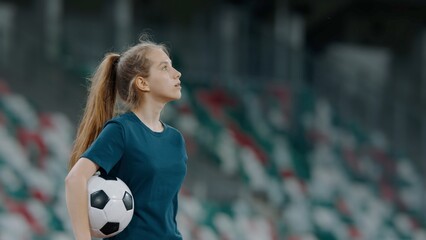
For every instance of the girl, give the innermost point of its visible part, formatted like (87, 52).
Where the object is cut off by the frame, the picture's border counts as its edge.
(147, 154)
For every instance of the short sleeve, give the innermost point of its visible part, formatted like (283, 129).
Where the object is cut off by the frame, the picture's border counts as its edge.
(108, 147)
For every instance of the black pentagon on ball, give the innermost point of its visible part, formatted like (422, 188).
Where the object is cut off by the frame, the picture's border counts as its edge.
(99, 199)
(128, 201)
(106, 176)
(110, 227)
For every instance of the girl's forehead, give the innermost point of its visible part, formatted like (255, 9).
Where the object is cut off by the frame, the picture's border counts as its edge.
(158, 55)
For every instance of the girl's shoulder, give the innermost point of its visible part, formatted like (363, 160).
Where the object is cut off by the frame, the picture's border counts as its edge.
(121, 120)
(122, 117)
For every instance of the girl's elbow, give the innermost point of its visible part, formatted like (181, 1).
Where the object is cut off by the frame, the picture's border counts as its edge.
(69, 179)
(72, 178)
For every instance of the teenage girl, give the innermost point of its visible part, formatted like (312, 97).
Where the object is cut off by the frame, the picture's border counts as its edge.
(136, 146)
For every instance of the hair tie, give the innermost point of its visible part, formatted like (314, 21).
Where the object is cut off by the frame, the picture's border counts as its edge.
(117, 60)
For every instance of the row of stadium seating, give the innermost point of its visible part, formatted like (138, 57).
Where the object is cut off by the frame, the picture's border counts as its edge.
(33, 153)
(324, 178)
(307, 174)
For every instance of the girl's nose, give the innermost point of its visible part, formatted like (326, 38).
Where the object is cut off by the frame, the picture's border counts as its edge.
(178, 74)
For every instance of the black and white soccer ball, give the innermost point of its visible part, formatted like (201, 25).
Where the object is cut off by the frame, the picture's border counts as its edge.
(111, 205)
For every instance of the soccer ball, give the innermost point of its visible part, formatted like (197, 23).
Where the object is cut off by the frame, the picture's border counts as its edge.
(111, 205)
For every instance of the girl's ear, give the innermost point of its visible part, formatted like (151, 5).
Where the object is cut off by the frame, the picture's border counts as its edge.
(142, 84)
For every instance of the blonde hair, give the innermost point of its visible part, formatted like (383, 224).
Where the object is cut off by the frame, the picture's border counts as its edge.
(115, 74)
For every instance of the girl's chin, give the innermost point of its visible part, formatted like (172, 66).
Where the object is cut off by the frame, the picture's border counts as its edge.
(176, 97)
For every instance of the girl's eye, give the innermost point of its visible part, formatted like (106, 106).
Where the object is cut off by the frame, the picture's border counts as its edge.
(164, 68)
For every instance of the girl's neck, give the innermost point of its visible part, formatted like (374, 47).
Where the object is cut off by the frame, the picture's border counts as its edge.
(149, 114)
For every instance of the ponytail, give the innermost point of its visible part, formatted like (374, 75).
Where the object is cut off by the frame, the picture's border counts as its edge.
(99, 107)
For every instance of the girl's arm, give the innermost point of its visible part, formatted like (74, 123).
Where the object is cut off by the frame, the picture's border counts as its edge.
(76, 197)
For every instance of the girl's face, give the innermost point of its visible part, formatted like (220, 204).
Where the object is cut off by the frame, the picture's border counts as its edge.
(163, 80)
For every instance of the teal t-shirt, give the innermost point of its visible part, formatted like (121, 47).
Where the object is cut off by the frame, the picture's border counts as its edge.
(152, 164)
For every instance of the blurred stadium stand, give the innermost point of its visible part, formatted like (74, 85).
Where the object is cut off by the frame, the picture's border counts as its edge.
(303, 120)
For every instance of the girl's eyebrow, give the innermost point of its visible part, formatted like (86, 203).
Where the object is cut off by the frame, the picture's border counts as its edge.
(165, 62)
